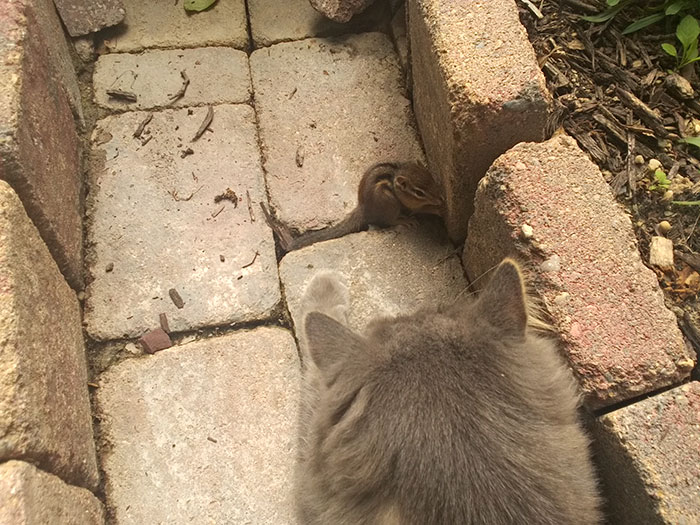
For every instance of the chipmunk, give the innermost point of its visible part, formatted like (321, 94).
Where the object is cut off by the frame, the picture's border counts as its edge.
(388, 195)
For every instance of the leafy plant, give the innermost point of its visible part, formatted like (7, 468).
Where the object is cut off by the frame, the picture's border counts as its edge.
(198, 5)
(661, 181)
(687, 33)
(686, 203)
(666, 9)
(695, 141)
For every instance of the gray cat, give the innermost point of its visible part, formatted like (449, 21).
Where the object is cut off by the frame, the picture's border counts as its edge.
(456, 415)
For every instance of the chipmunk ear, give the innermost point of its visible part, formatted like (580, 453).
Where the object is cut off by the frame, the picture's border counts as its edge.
(330, 342)
(503, 301)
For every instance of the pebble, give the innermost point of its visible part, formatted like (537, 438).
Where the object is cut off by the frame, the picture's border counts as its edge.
(661, 252)
(553, 264)
(639, 160)
(527, 231)
(664, 227)
(654, 165)
(668, 195)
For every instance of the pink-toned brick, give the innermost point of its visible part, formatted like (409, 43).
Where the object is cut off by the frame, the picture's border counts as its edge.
(29, 496)
(477, 91)
(647, 456)
(548, 205)
(39, 150)
(44, 405)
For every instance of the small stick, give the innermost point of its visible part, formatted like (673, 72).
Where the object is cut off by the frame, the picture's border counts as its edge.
(205, 124)
(216, 213)
(181, 92)
(251, 262)
(120, 94)
(534, 9)
(142, 126)
(250, 206)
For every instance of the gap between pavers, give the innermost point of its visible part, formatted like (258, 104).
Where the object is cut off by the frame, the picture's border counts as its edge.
(204, 432)
(328, 109)
(154, 225)
(388, 272)
(549, 205)
(217, 75)
(165, 24)
(29, 496)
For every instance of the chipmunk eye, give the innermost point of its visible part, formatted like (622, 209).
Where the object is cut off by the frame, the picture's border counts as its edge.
(419, 192)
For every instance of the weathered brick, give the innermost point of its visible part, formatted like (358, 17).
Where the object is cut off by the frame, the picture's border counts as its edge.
(39, 149)
(44, 404)
(203, 432)
(548, 204)
(477, 91)
(647, 456)
(328, 110)
(86, 16)
(29, 496)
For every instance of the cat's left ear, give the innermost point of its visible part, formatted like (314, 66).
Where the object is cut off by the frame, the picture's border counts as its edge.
(330, 342)
(503, 302)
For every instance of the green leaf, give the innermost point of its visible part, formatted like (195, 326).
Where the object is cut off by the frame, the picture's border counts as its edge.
(690, 53)
(675, 7)
(688, 30)
(695, 141)
(686, 203)
(612, 2)
(670, 49)
(643, 22)
(198, 5)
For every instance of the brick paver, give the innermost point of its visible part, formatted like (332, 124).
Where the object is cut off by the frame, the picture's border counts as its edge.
(217, 75)
(155, 224)
(204, 432)
(339, 105)
(548, 204)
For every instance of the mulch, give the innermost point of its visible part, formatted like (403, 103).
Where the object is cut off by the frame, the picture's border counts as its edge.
(619, 98)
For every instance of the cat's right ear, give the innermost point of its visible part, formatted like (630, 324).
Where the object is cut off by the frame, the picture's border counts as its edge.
(330, 342)
(503, 301)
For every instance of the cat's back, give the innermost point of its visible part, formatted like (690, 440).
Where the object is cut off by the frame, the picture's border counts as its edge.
(481, 428)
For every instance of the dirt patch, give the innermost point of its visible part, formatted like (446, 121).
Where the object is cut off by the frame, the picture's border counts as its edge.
(619, 97)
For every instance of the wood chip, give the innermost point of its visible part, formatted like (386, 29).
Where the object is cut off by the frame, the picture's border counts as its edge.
(205, 124)
(183, 88)
(120, 94)
(228, 195)
(176, 299)
(250, 206)
(142, 126)
(164, 322)
(300, 157)
(155, 340)
(644, 112)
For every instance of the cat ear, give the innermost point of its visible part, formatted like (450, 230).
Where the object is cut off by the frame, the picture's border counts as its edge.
(503, 301)
(329, 341)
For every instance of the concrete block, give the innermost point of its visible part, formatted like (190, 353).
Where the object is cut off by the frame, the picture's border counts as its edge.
(29, 496)
(168, 25)
(157, 222)
(44, 405)
(87, 16)
(421, 272)
(549, 205)
(39, 152)
(398, 31)
(203, 432)
(337, 105)
(647, 456)
(218, 75)
(272, 21)
(477, 91)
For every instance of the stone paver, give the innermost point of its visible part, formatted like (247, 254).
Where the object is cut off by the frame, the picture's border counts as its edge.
(155, 225)
(39, 153)
(203, 433)
(272, 21)
(168, 25)
(548, 204)
(86, 16)
(29, 496)
(44, 404)
(419, 272)
(217, 75)
(477, 91)
(648, 459)
(341, 10)
(337, 104)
